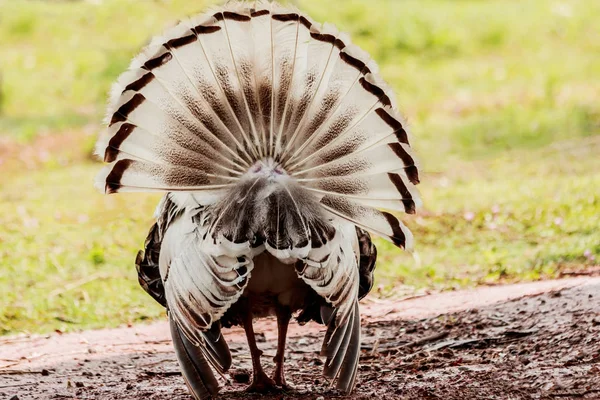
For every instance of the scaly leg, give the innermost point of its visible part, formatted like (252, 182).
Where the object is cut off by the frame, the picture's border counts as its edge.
(260, 381)
(283, 320)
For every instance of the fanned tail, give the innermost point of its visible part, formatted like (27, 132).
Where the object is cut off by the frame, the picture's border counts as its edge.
(254, 83)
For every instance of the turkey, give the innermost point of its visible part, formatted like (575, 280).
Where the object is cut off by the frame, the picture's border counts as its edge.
(277, 147)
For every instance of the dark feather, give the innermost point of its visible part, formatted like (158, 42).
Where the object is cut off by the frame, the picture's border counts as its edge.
(217, 348)
(342, 348)
(196, 370)
(147, 260)
(366, 265)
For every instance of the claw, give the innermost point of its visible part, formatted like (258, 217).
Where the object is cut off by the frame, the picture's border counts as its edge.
(261, 383)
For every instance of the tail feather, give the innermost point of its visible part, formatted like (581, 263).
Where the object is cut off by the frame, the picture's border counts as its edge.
(137, 143)
(207, 85)
(382, 223)
(310, 106)
(222, 95)
(137, 112)
(374, 129)
(263, 64)
(217, 47)
(341, 106)
(180, 102)
(371, 161)
(242, 48)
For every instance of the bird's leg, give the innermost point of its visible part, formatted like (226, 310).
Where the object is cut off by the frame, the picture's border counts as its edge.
(260, 381)
(283, 320)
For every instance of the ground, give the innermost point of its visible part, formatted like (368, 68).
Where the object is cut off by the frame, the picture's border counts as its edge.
(525, 341)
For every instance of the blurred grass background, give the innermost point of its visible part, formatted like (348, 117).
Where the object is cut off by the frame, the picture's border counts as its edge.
(503, 98)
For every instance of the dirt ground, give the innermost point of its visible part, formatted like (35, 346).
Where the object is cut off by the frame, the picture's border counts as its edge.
(527, 341)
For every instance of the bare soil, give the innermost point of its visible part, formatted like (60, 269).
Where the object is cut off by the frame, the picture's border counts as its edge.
(527, 341)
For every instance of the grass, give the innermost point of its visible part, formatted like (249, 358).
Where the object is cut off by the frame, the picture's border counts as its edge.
(505, 220)
(503, 99)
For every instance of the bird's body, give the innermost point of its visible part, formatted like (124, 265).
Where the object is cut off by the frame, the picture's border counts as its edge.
(276, 144)
(273, 284)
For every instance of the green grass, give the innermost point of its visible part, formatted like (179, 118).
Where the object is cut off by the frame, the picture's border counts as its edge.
(503, 98)
(525, 216)
(67, 252)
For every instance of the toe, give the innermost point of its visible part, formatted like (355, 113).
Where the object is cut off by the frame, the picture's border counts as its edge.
(262, 384)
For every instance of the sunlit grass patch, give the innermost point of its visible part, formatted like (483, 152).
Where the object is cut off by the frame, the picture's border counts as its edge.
(68, 252)
(505, 221)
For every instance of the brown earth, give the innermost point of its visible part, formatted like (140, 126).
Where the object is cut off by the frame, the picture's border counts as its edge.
(526, 341)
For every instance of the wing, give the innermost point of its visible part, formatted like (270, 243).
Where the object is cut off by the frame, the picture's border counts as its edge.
(147, 260)
(332, 271)
(367, 259)
(166, 272)
(366, 269)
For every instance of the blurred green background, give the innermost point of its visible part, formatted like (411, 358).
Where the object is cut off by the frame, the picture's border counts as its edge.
(503, 98)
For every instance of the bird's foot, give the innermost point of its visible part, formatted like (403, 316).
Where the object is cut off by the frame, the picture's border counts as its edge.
(284, 386)
(280, 382)
(261, 383)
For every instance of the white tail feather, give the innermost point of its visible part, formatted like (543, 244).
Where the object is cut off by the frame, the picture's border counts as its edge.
(256, 85)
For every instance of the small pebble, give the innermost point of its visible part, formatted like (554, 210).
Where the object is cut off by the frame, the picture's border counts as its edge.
(320, 398)
(317, 361)
(45, 372)
(129, 386)
(79, 384)
(15, 397)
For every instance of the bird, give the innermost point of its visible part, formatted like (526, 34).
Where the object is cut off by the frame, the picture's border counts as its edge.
(278, 150)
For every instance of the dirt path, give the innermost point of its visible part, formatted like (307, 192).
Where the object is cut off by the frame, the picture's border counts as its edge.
(527, 341)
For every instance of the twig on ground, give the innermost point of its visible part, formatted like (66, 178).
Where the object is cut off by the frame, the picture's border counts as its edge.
(499, 319)
(11, 364)
(376, 344)
(162, 373)
(158, 362)
(420, 342)
(462, 343)
(18, 385)
(19, 372)
(164, 341)
(519, 334)
(15, 340)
